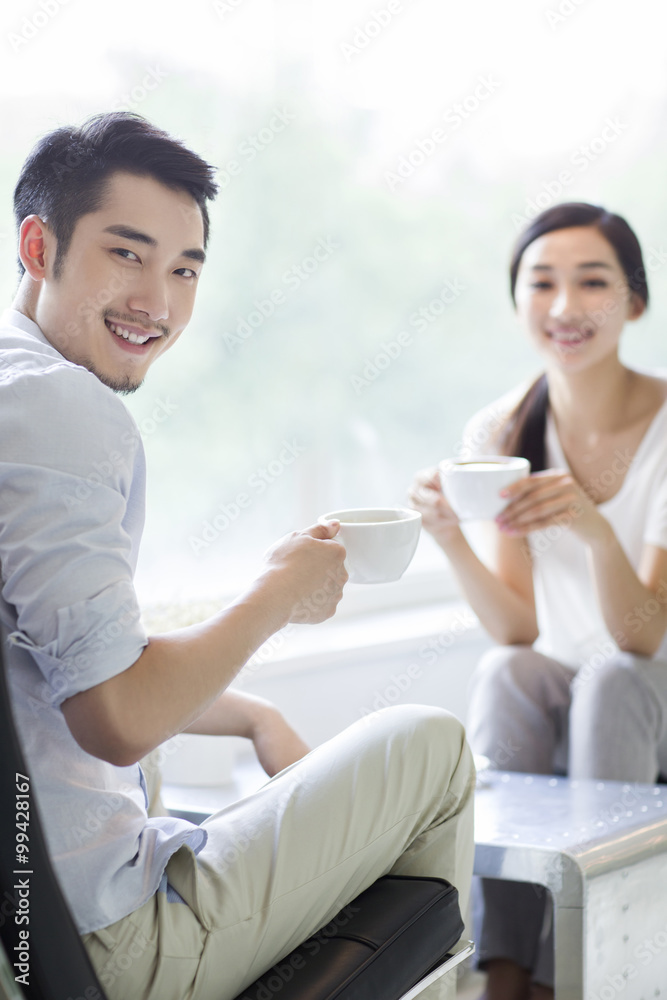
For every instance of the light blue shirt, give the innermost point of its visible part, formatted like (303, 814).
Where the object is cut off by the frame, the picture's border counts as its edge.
(72, 482)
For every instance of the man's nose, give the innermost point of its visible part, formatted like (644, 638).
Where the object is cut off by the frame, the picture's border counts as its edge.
(149, 296)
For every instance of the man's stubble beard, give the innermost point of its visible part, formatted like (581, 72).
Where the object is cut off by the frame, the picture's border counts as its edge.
(123, 386)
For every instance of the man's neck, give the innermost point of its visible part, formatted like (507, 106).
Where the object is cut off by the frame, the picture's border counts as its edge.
(25, 300)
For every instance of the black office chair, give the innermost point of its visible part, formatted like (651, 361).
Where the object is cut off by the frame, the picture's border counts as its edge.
(388, 944)
(59, 967)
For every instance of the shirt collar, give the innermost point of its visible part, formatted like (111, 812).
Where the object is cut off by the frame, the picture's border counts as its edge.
(12, 317)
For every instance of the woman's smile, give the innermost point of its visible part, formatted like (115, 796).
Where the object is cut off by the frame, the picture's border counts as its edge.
(570, 337)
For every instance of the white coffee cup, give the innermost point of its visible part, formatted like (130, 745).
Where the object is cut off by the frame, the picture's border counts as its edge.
(472, 486)
(380, 541)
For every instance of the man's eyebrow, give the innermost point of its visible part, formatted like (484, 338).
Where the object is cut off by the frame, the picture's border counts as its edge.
(194, 255)
(128, 233)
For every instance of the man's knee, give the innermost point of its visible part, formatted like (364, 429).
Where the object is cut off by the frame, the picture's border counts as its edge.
(421, 722)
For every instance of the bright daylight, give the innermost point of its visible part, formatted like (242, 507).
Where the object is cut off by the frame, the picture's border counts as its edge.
(333, 513)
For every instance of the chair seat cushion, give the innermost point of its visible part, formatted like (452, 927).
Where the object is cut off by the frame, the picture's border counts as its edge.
(376, 948)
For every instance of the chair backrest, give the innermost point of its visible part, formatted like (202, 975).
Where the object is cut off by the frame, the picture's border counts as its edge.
(40, 939)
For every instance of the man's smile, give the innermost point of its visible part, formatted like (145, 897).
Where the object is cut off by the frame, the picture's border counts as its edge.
(131, 337)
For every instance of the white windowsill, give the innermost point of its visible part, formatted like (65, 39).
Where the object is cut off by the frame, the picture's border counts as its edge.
(364, 637)
(369, 622)
(369, 619)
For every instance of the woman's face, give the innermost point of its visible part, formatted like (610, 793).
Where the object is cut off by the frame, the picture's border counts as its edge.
(572, 297)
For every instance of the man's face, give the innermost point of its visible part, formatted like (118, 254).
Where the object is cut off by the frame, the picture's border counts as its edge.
(128, 281)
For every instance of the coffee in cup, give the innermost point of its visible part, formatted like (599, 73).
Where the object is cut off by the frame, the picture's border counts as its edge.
(472, 486)
(380, 541)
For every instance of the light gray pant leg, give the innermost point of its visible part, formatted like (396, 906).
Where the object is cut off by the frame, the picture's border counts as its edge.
(518, 718)
(518, 714)
(618, 720)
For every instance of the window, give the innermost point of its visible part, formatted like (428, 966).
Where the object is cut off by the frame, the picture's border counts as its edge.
(376, 161)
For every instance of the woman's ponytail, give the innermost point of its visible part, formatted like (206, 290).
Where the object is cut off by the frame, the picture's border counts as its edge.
(524, 434)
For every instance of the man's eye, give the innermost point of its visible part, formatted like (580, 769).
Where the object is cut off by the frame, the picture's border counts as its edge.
(187, 272)
(125, 253)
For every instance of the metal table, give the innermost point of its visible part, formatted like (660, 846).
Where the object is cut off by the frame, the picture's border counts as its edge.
(600, 848)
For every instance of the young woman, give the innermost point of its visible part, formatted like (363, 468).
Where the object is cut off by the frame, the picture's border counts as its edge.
(574, 587)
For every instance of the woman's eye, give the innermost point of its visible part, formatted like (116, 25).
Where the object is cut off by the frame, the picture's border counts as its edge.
(541, 284)
(596, 283)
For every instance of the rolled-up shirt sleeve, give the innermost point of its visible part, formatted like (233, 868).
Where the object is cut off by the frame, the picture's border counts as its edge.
(71, 512)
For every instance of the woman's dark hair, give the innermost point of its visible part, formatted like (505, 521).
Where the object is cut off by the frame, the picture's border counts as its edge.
(66, 173)
(524, 432)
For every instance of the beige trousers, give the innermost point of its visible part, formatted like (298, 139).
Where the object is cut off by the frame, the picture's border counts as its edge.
(393, 793)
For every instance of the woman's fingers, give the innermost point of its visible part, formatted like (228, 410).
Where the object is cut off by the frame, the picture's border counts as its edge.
(536, 490)
(539, 501)
(534, 483)
(427, 479)
(541, 516)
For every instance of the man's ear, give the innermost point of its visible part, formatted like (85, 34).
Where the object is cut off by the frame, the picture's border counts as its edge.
(34, 239)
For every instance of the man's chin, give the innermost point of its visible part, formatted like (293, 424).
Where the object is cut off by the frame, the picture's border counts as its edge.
(124, 385)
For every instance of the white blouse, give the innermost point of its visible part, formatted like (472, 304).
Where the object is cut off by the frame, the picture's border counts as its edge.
(571, 625)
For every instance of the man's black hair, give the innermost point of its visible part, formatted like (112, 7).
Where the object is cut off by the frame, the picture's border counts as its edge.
(65, 175)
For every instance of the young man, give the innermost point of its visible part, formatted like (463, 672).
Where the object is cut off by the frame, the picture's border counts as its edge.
(113, 227)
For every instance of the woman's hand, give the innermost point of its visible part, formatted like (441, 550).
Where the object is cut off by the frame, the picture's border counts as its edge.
(438, 518)
(552, 497)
